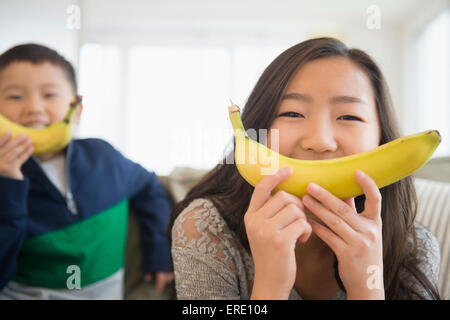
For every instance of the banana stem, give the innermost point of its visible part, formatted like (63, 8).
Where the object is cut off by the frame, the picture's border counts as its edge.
(235, 118)
(73, 107)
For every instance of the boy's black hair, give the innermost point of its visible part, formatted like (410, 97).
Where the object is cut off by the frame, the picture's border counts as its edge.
(36, 54)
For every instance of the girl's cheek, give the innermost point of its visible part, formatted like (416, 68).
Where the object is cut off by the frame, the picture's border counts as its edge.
(357, 142)
(285, 140)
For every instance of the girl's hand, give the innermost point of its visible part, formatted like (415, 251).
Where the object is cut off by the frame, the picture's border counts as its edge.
(356, 239)
(13, 153)
(273, 225)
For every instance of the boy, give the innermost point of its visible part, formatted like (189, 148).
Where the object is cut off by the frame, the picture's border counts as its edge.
(63, 215)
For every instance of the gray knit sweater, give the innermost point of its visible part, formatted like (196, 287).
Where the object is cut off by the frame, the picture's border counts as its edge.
(211, 263)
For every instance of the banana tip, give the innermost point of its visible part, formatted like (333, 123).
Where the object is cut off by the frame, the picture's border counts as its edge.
(77, 101)
(233, 108)
(439, 135)
(435, 134)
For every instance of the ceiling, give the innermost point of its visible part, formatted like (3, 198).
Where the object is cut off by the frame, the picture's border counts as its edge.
(343, 11)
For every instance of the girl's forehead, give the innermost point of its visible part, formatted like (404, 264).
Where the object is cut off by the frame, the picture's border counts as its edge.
(331, 75)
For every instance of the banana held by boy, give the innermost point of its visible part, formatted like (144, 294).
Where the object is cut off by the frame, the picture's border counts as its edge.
(49, 139)
(385, 164)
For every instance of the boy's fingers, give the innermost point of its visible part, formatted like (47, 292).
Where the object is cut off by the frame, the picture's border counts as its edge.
(5, 138)
(264, 188)
(161, 281)
(148, 277)
(12, 144)
(25, 154)
(17, 149)
(7, 146)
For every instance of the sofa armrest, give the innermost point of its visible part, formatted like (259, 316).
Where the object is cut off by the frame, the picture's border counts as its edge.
(135, 288)
(437, 169)
(433, 212)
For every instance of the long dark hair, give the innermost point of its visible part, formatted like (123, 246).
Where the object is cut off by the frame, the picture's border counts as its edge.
(231, 194)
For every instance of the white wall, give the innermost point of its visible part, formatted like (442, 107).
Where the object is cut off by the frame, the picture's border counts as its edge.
(284, 22)
(39, 21)
(197, 23)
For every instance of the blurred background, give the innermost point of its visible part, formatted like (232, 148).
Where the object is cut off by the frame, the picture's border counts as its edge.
(157, 75)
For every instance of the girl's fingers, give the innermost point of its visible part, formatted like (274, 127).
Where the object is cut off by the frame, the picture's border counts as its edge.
(287, 215)
(372, 204)
(277, 202)
(264, 188)
(340, 208)
(333, 221)
(351, 203)
(329, 237)
(299, 229)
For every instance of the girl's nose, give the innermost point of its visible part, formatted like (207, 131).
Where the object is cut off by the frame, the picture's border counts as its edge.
(319, 137)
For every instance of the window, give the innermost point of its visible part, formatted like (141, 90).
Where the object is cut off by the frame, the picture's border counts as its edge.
(100, 86)
(433, 80)
(166, 106)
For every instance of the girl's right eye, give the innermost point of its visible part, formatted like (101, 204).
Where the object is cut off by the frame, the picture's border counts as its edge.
(291, 114)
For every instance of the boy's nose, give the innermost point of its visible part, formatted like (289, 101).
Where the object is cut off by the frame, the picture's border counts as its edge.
(32, 106)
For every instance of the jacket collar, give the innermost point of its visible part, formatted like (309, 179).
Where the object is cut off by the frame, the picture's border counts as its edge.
(33, 171)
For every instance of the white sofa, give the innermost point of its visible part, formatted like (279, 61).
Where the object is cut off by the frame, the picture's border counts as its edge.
(433, 192)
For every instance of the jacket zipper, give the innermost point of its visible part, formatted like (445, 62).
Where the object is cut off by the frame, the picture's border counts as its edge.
(71, 205)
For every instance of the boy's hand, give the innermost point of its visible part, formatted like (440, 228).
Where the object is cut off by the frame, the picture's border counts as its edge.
(13, 154)
(162, 278)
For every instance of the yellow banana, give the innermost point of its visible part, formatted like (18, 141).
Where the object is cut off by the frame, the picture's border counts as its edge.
(385, 164)
(49, 139)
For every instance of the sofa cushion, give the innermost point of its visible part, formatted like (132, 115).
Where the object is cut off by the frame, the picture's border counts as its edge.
(434, 213)
(181, 180)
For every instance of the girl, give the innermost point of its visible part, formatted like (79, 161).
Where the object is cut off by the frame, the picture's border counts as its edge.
(234, 241)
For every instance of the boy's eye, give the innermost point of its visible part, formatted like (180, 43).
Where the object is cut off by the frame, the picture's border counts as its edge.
(350, 118)
(50, 95)
(291, 114)
(14, 97)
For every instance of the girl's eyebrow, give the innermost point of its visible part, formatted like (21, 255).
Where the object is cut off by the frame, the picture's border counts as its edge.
(296, 96)
(347, 99)
(335, 99)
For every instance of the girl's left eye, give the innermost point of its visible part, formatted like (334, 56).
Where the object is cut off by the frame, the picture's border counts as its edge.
(351, 118)
(50, 95)
(291, 114)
